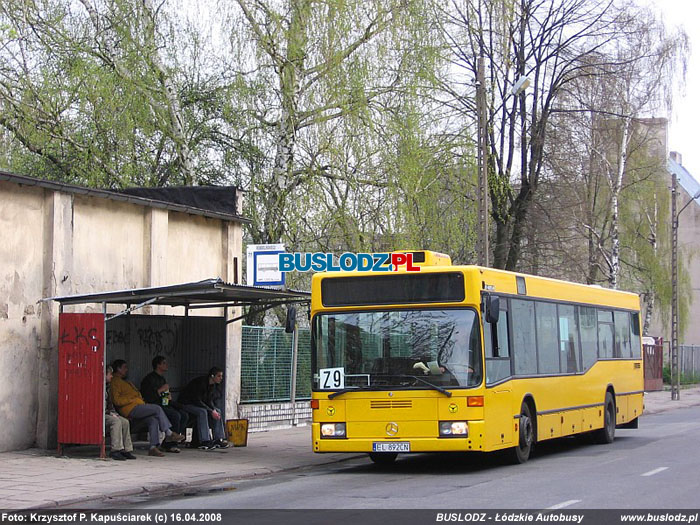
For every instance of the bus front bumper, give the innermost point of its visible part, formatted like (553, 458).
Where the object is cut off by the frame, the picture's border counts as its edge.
(473, 442)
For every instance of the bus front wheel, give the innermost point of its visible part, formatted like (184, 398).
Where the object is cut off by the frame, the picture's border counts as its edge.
(383, 458)
(526, 436)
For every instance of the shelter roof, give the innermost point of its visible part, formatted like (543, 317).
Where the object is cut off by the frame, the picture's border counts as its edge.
(204, 201)
(209, 293)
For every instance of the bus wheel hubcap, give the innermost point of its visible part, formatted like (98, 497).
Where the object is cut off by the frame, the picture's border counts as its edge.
(526, 431)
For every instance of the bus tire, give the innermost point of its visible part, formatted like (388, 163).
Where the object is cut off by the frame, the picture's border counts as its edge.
(383, 458)
(606, 434)
(526, 436)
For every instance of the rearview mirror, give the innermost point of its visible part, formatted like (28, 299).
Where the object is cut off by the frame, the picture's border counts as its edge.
(291, 320)
(492, 307)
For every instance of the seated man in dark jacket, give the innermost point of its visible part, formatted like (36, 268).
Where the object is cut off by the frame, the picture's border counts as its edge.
(155, 389)
(199, 399)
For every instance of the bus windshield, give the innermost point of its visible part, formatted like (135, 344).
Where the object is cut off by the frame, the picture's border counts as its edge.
(397, 348)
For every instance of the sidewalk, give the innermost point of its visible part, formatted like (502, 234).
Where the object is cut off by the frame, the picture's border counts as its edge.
(655, 402)
(35, 478)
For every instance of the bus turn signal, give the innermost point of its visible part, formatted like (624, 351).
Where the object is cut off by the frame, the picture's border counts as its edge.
(475, 401)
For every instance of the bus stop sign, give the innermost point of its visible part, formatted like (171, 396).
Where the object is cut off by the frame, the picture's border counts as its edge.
(263, 265)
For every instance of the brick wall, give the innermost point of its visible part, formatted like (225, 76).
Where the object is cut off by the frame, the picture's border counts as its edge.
(271, 416)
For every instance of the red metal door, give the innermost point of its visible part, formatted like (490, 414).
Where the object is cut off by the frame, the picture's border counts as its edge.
(81, 382)
(653, 367)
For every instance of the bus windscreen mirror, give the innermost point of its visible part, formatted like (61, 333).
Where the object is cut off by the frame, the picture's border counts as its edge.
(291, 319)
(493, 308)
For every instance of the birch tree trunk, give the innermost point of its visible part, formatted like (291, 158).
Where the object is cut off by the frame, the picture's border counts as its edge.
(650, 297)
(616, 186)
(169, 92)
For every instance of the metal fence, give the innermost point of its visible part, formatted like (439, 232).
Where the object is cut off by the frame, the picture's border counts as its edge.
(266, 365)
(689, 360)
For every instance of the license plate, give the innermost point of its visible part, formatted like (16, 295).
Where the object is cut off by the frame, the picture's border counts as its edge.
(391, 446)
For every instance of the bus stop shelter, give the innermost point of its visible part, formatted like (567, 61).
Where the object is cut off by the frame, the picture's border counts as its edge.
(192, 343)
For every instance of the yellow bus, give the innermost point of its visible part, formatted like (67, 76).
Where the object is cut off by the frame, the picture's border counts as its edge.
(465, 358)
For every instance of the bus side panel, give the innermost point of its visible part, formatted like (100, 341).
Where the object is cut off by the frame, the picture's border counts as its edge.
(621, 408)
(635, 406)
(571, 423)
(548, 426)
(499, 417)
(591, 418)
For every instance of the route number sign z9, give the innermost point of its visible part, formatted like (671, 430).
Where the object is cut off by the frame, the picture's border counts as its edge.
(332, 378)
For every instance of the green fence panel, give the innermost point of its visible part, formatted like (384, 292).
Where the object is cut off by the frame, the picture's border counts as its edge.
(266, 365)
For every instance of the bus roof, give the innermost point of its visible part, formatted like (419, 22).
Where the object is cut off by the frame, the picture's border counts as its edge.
(481, 279)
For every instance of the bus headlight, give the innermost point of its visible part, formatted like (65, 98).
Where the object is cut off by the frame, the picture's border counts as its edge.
(333, 430)
(453, 429)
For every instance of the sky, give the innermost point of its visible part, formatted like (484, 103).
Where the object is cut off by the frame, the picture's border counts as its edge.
(684, 123)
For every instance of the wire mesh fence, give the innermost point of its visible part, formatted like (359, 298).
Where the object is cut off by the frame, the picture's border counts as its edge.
(266, 365)
(689, 360)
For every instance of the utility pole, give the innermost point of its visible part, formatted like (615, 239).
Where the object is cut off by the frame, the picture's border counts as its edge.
(483, 186)
(675, 368)
(675, 372)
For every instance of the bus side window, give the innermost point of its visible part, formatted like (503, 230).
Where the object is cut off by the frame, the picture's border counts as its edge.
(502, 335)
(568, 339)
(524, 343)
(623, 344)
(547, 344)
(606, 334)
(636, 343)
(589, 336)
(497, 347)
(488, 341)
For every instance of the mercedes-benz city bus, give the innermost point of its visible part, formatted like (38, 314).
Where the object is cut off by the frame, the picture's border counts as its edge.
(465, 358)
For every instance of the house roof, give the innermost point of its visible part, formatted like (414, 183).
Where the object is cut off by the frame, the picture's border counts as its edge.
(684, 178)
(212, 202)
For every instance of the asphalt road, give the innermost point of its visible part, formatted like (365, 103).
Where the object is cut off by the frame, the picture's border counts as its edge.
(655, 466)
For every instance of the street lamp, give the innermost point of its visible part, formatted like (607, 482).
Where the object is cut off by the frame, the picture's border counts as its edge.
(675, 369)
(482, 138)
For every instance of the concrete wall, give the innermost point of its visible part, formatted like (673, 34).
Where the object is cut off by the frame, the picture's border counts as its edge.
(57, 243)
(689, 261)
(21, 286)
(689, 258)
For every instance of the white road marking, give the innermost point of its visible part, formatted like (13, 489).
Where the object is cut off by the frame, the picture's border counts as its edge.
(563, 504)
(655, 471)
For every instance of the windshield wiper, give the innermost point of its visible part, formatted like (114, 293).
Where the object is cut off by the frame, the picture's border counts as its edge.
(351, 389)
(384, 387)
(431, 385)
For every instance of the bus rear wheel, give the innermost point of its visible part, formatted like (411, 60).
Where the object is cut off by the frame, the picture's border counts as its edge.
(526, 436)
(383, 458)
(607, 434)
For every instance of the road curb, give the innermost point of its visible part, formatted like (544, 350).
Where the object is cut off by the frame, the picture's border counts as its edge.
(164, 489)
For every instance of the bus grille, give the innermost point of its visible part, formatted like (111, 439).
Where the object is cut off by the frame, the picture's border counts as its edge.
(392, 403)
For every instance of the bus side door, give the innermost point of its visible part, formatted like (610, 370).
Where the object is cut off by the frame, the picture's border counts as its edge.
(499, 421)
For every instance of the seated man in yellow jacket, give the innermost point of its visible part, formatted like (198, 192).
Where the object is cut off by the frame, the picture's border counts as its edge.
(128, 401)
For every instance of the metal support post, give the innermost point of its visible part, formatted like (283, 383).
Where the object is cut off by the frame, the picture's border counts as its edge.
(293, 386)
